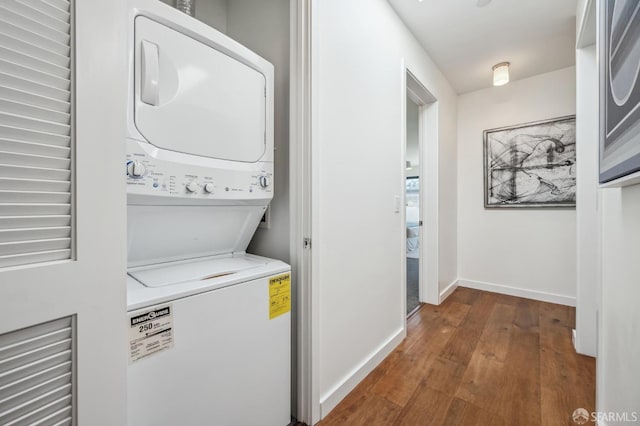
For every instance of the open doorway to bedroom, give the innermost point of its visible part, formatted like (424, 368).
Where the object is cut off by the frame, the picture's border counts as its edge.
(420, 195)
(412, 205)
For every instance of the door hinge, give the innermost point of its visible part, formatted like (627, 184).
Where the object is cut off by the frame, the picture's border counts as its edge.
(420, 223)
(306, 243)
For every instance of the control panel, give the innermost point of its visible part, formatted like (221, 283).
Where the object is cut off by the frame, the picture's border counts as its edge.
(147, 175)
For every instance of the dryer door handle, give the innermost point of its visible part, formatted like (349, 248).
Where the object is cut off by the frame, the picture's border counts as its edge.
(150, 75)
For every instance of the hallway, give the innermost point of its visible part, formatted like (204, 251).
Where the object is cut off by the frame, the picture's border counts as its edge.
(478, 359)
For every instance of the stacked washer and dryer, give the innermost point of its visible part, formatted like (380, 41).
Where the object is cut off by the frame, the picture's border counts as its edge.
(209, 324)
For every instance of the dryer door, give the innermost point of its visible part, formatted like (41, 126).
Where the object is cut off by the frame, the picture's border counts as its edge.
(192, 98)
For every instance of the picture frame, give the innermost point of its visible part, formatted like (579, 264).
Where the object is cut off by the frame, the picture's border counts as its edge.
(531, 165)
(619, 75)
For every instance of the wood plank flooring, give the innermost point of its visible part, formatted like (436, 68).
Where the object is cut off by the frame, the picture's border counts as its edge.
(477, 359)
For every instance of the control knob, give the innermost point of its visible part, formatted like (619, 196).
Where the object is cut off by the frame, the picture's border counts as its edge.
(136, 169)
(191, 187)
(208, 188)
(264, 181)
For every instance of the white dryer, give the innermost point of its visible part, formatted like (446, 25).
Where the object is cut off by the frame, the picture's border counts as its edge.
(209, 325)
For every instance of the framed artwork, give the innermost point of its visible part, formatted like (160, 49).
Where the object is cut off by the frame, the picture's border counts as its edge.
(619, 48)
(531, 165)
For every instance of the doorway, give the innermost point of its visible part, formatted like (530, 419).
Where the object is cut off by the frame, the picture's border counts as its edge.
(420, 195)
(412, 206)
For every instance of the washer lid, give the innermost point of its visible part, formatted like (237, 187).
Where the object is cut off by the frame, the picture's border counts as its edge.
(192, 98)
(197, 270)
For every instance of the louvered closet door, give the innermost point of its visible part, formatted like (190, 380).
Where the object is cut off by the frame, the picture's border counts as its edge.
(36, 141)
(63, 212)
(36, 375)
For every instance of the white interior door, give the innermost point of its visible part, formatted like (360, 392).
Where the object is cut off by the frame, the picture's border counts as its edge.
(62, 212)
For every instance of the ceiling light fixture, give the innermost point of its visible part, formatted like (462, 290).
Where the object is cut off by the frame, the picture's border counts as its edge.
(501, 74)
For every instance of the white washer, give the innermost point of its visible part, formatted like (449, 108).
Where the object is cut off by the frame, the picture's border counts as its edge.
(229, 364)
(209, 325)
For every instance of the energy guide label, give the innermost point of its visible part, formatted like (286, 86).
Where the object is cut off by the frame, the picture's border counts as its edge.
(150, 331)
(279, 295)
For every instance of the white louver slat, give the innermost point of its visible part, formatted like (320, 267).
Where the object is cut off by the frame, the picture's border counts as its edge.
(31, 87)
(36, 374)
(36, 142)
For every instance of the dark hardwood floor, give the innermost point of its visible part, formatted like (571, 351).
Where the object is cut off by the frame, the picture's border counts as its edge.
(477, 359)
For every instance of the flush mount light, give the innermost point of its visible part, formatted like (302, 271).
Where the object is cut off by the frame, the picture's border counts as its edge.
(501, 74)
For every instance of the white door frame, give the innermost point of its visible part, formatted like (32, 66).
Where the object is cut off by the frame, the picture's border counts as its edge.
(428, 141)
(302, 177)
(588, 254)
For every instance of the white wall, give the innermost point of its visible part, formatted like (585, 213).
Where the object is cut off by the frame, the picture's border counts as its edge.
(358, 240)
(533, 250)
(263, 26)
(618, 362)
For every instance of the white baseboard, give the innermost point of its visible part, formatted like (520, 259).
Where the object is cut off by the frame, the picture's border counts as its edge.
(447, 291)
(519, 292)
(329, 400)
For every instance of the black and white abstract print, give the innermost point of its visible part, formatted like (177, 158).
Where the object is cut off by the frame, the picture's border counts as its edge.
(620, 89)
(531, 165)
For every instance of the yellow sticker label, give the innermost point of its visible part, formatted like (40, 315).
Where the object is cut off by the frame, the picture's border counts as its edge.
(279, 295)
